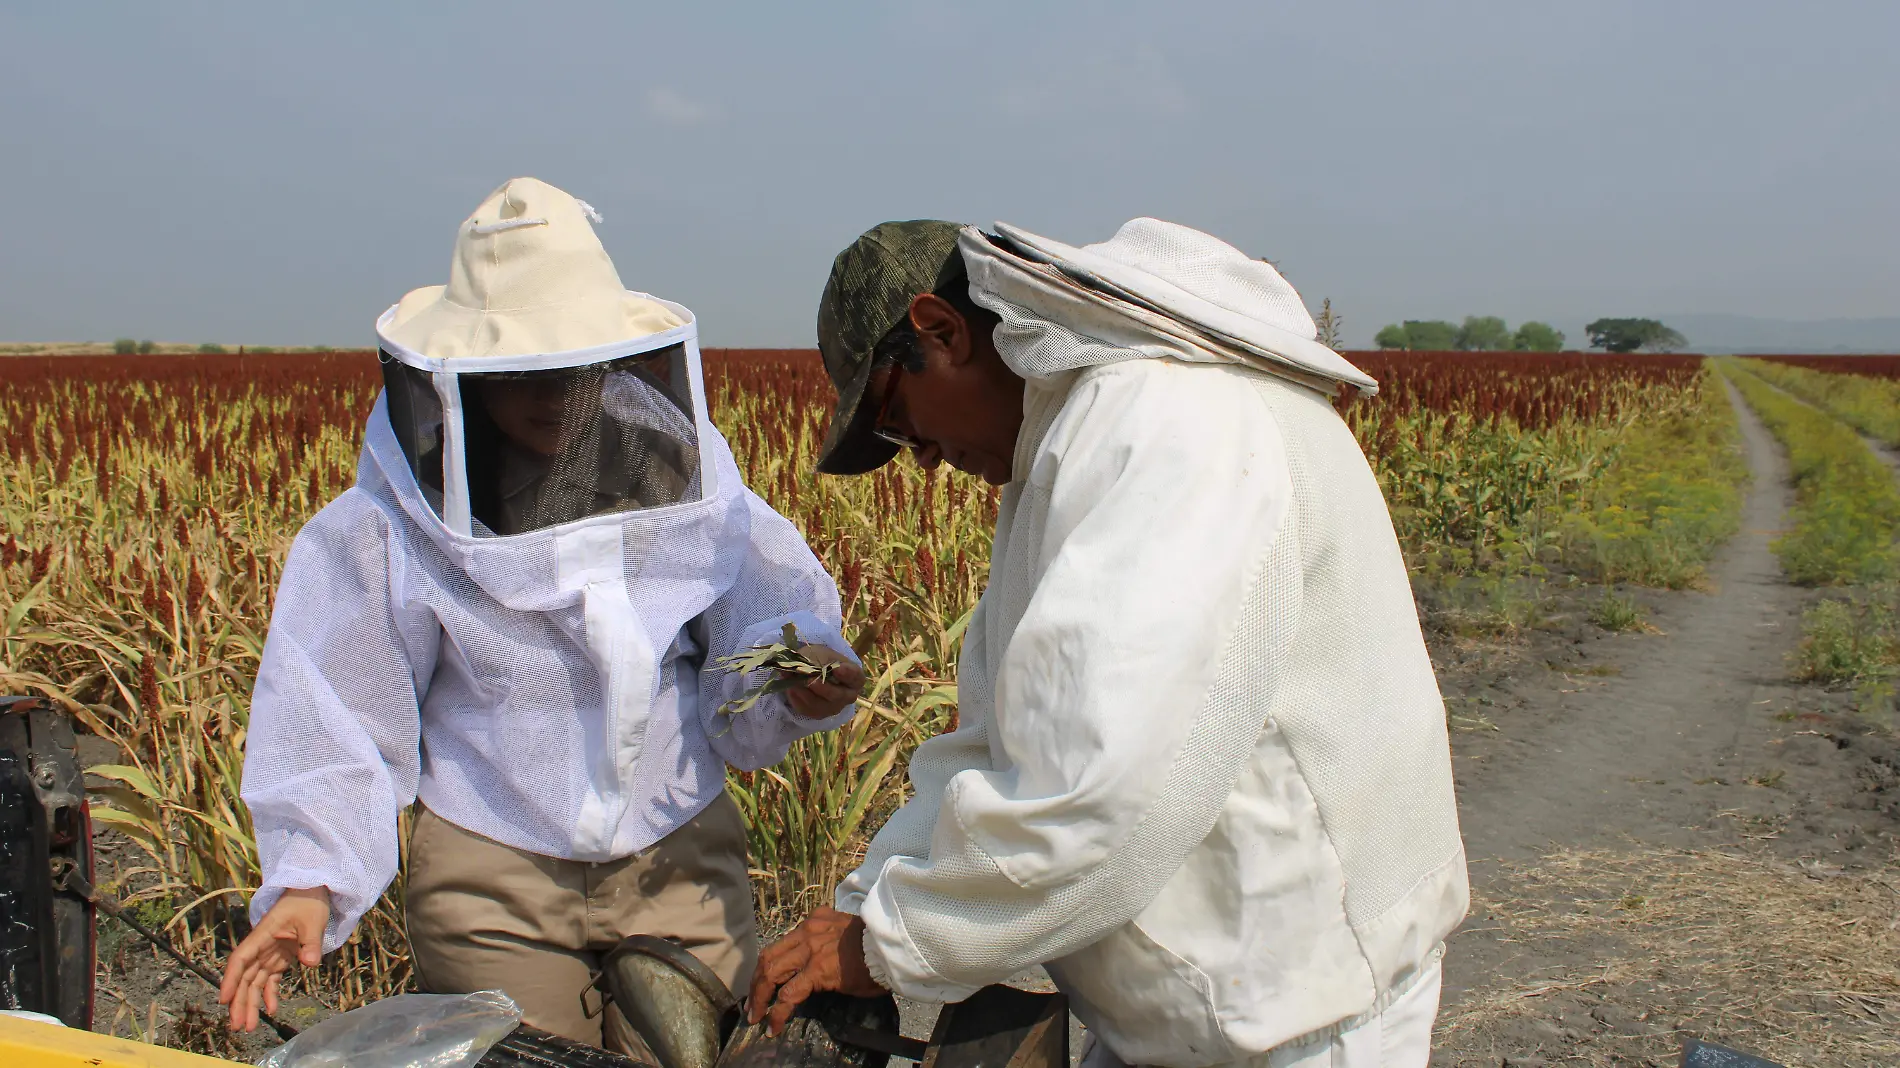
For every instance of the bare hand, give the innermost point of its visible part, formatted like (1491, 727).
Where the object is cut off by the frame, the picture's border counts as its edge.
(290, 933)
(818, 699)
(826, 952)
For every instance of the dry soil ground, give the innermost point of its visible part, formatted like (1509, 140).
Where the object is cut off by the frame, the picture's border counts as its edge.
(1667, 838)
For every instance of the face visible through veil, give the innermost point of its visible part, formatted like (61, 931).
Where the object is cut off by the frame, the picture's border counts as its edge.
(543, 448)
(536, 414)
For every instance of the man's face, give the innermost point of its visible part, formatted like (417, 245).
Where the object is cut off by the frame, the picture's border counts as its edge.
(963, 408)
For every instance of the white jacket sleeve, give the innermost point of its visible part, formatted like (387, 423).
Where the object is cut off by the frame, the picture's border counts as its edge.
(780, 582)
(1161, 491)
(332, 752)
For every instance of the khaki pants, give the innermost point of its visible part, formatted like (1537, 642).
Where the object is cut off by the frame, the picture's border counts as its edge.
(485, 916)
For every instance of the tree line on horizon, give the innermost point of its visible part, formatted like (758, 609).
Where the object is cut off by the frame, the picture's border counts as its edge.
(1488, 333)
(126, 346)
(1478, 333)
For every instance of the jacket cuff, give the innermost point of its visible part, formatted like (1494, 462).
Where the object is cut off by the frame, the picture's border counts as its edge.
(336, 932)
(875, 964)
(295, 862)
(893, 958)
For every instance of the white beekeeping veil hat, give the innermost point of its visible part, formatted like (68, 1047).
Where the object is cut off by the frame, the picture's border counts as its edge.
(1154, 288)
(534, 390)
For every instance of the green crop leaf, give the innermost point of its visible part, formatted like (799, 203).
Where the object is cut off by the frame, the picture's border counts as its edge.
(128, 775)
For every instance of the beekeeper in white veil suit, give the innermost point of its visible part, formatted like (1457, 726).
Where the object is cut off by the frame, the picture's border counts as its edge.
(510, 618)
(1201, 772)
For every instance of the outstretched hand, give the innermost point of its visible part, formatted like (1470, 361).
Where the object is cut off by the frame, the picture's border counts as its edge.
(290, 933)
(826, 952)
(819, 699)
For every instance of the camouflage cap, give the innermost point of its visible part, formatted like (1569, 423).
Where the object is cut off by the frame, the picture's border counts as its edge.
(870, 289)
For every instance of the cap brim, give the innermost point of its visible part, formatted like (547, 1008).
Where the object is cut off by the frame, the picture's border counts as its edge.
(851, 447)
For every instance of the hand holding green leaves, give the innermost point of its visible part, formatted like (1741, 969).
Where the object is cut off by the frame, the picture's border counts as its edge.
(817, 681)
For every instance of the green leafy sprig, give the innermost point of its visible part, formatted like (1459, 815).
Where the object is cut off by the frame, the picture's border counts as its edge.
(790, 668)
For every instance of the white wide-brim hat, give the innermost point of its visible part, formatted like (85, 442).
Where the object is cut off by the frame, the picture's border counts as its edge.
(1203, 282)
(529, 277)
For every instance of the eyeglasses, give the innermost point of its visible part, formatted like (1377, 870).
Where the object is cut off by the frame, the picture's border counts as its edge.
(880, 426)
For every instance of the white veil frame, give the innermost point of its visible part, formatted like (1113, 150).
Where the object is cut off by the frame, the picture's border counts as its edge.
(446, 372)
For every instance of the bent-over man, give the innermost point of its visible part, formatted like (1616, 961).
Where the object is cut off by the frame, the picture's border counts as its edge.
(1202, 773)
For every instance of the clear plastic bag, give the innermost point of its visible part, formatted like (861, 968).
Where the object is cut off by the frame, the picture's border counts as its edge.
(406, 1031)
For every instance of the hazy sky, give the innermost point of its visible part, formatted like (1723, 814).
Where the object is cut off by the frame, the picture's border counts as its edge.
(280, 173)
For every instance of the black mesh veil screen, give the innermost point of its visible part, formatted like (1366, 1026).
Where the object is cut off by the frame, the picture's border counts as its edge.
(543, 448)
(415, 414)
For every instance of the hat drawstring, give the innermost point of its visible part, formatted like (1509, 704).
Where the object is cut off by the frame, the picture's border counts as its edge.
(504, 226)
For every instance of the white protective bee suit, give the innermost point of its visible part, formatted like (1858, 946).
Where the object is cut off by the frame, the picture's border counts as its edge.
(1202, 771)
(523, 641)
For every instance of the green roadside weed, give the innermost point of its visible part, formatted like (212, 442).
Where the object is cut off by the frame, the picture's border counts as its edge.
(1619, 612)
(1869, 405)
(1671, 496)
(1849, 639)
(1847, 509)
(1645, 501)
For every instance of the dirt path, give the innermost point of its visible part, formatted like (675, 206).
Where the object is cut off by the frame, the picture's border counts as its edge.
(1619, 757)
(1640, 758)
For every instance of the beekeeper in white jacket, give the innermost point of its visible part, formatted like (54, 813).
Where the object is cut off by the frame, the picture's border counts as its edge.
(514, 617)
(1202, 773)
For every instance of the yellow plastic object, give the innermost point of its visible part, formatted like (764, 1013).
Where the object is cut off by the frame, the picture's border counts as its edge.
(29, 1044)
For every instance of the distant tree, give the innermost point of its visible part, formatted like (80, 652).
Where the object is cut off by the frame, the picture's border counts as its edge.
(1537, 337)
(1391, 336)
(146, 348)
(1328, 324)
(211, 348)
(321, 348)
(1628, 335)
(1430, 335)
(125, 346)
(1668, 340)
(1482, 333)
(263, 348)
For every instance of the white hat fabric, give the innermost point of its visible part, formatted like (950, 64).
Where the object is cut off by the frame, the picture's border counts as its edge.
(529, 276)
(1203, 283)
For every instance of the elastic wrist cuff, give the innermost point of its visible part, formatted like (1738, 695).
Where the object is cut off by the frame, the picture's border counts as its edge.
(874, 963)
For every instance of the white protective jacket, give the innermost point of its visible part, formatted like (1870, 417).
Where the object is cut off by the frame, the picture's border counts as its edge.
(1202, 771)
(548, 690)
